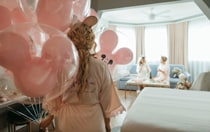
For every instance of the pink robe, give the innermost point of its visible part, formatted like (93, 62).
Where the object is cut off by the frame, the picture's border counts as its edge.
(87, 113)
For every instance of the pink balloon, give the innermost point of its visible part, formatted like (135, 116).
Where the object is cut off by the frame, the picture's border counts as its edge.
(6, 18)
(14, 50)
(19, 11)
(123, 56)
(61, 55)
(108, 41)
(81, 8)
(92, 12)
(35, 79)
(28, 9)
(57, 13)
(10, 4)
(18, 16)
(24, 12)
(58, 51)
(37, 67)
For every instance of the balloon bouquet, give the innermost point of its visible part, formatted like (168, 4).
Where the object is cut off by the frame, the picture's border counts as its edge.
(35, 49)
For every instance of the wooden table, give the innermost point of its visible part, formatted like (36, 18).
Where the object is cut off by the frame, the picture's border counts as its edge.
(146, 83)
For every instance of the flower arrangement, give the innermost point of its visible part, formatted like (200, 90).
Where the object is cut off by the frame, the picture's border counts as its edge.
(183, 82)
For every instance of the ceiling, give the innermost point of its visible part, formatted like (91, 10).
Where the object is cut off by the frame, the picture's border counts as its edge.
(169, 12)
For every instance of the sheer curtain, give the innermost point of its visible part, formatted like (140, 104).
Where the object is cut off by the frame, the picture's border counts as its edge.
(198, 47)
(156, 43)
(126, 38)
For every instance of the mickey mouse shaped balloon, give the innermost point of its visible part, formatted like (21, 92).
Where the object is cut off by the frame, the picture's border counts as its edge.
(37, 67)
(43, 11)
(108, 43)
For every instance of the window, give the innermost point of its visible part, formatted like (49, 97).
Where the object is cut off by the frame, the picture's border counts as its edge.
(155, 43)
(199, 41)
(126, 38)
(198, 47)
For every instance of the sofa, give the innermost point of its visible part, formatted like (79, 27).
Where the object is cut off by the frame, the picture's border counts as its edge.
(133, 74)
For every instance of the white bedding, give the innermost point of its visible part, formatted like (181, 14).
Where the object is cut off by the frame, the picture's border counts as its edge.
(169, 110)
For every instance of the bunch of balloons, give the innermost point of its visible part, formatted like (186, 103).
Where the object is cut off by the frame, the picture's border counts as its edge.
(57, 13)
(33, 45)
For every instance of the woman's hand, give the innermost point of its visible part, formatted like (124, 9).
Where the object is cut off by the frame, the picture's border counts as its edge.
(45, 122)
(161, 70)
(140, 69)
(107, 123)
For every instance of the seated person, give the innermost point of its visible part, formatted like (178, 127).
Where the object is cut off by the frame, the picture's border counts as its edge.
(143, 71)
(162, 70)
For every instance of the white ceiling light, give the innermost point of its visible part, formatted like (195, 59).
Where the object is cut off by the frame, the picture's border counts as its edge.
(153, 14)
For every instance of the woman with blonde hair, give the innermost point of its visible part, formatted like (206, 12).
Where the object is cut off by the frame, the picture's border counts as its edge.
(143, 68)
(143, 71)
(162, 70)
(92, 100)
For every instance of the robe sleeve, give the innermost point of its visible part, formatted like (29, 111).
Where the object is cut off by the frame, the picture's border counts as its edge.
(109, 98)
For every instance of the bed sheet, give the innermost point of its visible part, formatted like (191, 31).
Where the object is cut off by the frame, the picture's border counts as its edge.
(169, 110)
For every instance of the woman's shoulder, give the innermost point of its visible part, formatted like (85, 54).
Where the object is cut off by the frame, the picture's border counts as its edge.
(97, 67)
(94, 62)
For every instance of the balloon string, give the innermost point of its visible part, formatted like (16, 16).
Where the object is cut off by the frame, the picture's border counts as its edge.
(41, 112)
(40, 108)
(21, 114)
(34, 110)
(37, 108)
(34, 107)
(27, 109)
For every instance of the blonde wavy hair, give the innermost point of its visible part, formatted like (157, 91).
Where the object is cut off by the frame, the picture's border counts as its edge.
(83, 38)
(164, 58)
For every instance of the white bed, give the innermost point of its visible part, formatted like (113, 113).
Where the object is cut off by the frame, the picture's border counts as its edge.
(169, 110)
